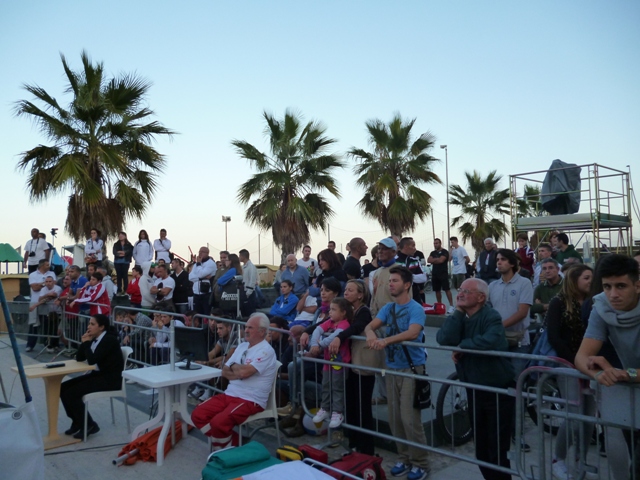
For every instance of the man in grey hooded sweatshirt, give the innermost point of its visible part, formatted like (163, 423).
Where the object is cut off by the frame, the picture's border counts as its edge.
(615, 316)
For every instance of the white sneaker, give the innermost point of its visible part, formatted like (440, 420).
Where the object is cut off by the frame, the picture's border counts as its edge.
(205, 396)
(336, 420)
(450, 310)
(196, 392)
(559, 469)
(321, 416)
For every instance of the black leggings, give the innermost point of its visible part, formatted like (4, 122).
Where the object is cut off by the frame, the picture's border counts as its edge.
(122, 270)
(359, 390)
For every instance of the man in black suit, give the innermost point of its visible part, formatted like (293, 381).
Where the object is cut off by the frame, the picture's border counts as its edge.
(99, 347)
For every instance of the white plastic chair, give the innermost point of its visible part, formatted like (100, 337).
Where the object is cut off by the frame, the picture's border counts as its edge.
(110, 394)
(271, 411)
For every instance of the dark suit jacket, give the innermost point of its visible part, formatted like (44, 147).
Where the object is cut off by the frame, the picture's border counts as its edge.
(108, 357)
(488, 270)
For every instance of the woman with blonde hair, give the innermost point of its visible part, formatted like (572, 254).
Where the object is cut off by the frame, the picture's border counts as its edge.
(565, 330)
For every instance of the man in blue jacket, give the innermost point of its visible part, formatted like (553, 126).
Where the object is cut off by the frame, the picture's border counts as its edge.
(476, 326)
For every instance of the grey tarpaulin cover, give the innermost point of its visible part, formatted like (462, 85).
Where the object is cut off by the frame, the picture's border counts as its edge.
(561, 178)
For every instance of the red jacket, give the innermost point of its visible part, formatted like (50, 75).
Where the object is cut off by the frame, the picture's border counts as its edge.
(133, 290)
(98, 297)
(526, 258)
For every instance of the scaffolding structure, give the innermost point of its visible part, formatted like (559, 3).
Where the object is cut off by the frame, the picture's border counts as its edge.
(605, 212)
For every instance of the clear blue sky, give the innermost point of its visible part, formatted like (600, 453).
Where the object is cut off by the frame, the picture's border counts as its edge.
(506, 85)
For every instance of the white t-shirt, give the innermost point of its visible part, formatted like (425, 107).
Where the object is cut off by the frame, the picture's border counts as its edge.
(310, 265)
(94, 247)
(37, 277)
(37, 246)
(257, 387)
(310, 301)
(50, 306)
(162, 248)
(166, 283)
(457, 257)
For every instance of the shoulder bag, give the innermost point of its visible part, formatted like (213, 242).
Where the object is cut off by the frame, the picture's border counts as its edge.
(422, 390)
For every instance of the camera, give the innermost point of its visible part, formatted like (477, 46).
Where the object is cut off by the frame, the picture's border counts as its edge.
(32, 254)
(205, 287)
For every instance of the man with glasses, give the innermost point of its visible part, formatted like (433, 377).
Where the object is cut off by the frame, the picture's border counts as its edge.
(250, 371)
(476, 326)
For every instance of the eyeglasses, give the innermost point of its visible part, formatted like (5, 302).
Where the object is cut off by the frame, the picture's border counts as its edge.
(467, 292)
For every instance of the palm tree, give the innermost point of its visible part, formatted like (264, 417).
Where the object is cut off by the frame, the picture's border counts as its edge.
(529, 205)
(99, 151)
(391, 175)
(285, 195)
(479, 201)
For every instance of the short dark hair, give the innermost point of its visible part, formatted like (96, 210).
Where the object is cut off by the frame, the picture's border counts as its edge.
(512, 258)
(453, 239)
(42, 262)
(306, 246)
(616, 265)
(224, 252)
(163, 230)
(332, 284)
(437, 240)
(562, 237)
(287, 281)
(244, 252)
(98, 276)
(280, 322)
(546, 246)
(404, 272)
(331, 241)
(522, 236)
(137, 268)
(403, 242)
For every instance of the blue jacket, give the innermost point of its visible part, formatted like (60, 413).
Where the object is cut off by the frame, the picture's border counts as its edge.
(285, 308)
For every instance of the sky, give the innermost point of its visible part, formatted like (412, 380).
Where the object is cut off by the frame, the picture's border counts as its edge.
(506, 85)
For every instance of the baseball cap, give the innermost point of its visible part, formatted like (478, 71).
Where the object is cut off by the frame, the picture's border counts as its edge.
(389, 243)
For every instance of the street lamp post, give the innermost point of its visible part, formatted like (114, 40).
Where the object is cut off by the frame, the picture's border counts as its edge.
(446, 167)
(226, 221)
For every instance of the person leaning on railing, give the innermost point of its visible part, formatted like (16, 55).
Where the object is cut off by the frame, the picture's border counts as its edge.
(615, 316)
(476, 326)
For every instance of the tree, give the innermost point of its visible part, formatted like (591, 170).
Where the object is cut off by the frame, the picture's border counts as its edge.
(530, 205)
(100, 149)
(285, 195)
(479, 201)
(392, 174)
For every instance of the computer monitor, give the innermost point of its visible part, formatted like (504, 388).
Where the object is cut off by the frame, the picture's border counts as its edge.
(192, 344)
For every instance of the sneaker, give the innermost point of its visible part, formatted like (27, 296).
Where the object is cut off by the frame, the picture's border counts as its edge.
(196, 392)
(50, 350)
(450, 310)
(417, 473)
(320, 416)
(205, 396)
(72, 430)
(559, 470)
(400, 468)
(336, 420)
(286, 410)
(29, 349)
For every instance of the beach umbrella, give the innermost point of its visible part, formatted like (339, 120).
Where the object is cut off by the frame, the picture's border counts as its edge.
(145, 447)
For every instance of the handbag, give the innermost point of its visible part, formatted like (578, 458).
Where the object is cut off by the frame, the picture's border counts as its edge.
(422, 387)
(364, 356)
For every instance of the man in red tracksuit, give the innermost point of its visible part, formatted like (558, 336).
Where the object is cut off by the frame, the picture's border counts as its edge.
(250, 371)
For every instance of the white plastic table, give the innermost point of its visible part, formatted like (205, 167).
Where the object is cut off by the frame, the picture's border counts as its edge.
(172, 397)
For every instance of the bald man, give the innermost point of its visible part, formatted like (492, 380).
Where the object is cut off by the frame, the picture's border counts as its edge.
(297, 275)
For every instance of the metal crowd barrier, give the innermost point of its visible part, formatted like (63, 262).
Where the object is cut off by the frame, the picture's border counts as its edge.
(586, 413)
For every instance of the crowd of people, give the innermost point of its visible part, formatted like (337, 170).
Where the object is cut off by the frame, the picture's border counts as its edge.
(592, 320)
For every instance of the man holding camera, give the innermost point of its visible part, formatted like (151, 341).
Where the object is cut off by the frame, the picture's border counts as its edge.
(163, 285)
(35, 249)
(203, 268)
